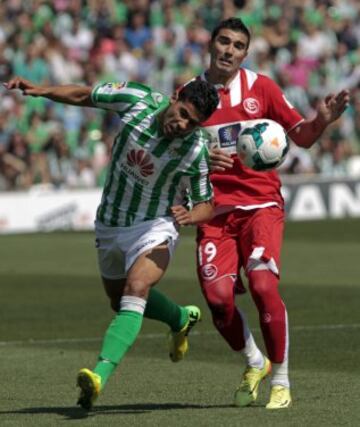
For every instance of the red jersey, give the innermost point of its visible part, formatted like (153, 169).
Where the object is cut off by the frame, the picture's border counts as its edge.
(250, 96)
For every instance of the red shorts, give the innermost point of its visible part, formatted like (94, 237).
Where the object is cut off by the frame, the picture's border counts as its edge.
(238, 239)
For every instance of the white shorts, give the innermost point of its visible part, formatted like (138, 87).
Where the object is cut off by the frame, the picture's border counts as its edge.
(119, 247)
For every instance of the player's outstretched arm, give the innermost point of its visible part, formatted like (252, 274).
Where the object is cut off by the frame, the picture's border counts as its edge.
(68, 94)
(201, 212)
(329, 110)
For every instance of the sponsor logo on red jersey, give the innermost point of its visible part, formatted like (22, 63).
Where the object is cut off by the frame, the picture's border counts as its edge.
(228, 135)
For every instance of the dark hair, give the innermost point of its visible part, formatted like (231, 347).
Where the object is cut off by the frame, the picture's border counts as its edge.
(202, 95)
(234, 24)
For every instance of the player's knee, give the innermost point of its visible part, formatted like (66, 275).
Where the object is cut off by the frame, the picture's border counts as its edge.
(221, 311)
(136, 288)
(220, 299)
(115, 304)
(263, 284)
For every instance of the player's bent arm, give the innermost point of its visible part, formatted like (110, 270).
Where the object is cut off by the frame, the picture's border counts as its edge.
(67, 94)
(200, 213)
(307, 132)
(328, 110)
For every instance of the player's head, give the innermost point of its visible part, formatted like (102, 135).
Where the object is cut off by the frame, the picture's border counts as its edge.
(191, 105)
(229, 45)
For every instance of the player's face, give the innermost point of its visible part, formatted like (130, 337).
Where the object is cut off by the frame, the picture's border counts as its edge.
(227, 51)
(180, 119)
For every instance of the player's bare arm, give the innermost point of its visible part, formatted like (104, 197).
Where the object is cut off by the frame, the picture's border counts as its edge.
(67, 94)
(200, 213)
(220, 160)
(329, 110)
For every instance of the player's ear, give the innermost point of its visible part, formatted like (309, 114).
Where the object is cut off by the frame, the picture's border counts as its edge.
(174, 97)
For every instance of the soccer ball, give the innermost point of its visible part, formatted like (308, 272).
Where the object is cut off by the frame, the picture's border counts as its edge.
(262, 144)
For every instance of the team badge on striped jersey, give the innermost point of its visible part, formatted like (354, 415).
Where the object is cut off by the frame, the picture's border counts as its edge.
(141, 159)
(109, 88)
(228, 135)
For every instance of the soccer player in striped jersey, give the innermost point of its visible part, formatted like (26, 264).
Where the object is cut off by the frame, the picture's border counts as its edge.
(159, 155)
(247, 229)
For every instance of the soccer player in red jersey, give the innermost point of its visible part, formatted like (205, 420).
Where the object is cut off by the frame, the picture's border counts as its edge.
(247, 229)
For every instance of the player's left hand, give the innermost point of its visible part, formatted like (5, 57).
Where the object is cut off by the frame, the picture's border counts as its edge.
(26, 86)
(181, 214)
(220, 160)
(333, 106)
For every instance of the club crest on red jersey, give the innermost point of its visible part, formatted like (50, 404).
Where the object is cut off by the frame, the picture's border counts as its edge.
(228, 135)
(251, 105)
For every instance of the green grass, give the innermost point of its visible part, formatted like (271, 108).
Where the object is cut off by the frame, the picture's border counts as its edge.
(54, 312)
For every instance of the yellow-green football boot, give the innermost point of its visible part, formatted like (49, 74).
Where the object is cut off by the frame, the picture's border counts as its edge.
(178, 341)
(90, 386)
(247, 391)
(280, 397)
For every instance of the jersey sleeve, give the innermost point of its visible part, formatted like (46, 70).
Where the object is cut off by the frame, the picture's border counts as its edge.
(119, 97)
(201, 188)
(278, 107)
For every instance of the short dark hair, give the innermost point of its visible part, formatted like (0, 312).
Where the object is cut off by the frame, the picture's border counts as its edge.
(202, 94)
(234, 24)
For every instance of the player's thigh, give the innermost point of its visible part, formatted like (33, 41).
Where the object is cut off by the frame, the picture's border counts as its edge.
(111, 256)
(147, 270)
(120, 248)
(217, 255)
(261, 239)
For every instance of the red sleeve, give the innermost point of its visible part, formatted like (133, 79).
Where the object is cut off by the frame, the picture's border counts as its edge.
(277, 107)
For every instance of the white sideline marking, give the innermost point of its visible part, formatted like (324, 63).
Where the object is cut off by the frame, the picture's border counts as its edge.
(159, 335)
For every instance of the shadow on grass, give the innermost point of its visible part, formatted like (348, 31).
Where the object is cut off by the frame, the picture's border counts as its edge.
(74, 413)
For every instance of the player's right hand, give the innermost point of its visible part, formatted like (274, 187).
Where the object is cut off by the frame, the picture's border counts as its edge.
(181, 214)
(27, 87)
(220, 160)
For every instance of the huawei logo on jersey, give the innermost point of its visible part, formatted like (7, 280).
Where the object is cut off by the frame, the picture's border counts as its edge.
(251, 105)
(141, 159)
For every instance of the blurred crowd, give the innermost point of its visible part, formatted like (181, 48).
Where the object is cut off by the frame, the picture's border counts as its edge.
(310, 47)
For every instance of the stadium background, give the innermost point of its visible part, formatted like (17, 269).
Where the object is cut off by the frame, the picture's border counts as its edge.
(53, 311)
(309, 47)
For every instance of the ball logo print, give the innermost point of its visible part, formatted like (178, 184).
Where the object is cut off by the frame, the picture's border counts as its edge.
(262, 144)
(141, 159)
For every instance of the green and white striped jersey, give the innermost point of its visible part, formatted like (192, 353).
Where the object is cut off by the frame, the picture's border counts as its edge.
(148, 173)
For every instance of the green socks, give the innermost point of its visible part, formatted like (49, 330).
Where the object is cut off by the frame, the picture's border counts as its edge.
(120, 336)
(159, 307)
(126, 325)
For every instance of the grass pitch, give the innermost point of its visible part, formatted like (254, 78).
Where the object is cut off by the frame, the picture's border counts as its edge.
(53, 314)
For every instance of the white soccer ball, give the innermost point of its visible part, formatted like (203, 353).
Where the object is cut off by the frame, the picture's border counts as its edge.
(262, 144)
